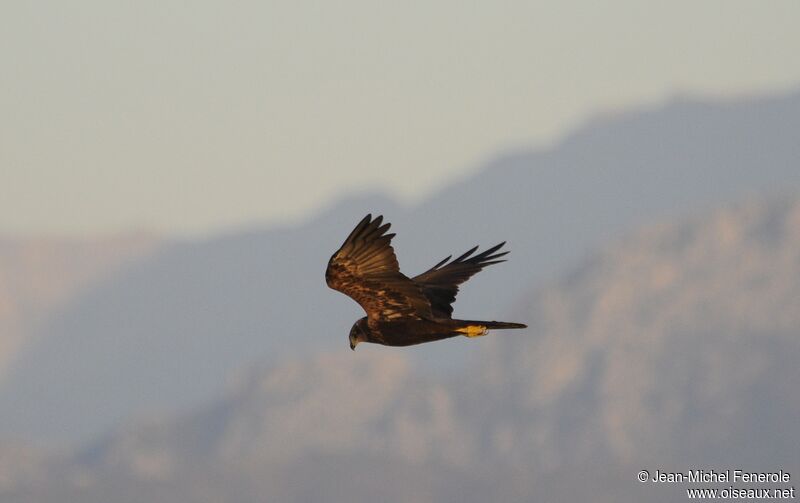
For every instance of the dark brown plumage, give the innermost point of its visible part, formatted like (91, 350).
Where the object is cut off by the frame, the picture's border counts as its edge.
(403, 311)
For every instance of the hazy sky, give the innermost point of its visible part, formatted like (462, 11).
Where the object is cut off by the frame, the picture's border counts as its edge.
(192, 116)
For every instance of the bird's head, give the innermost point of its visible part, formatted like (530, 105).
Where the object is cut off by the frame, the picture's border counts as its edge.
(358, 333)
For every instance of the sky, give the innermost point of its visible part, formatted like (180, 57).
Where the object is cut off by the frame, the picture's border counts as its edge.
(189, 118)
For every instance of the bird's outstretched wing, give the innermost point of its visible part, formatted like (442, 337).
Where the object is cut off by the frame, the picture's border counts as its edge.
(440, 283)
(365, 268)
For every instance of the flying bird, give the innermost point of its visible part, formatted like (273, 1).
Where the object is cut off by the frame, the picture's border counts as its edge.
(403, 311)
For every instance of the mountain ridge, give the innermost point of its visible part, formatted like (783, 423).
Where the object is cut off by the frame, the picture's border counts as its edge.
(168, 332)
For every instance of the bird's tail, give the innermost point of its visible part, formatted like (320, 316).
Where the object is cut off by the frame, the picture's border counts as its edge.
(502, 324)
(475, 328)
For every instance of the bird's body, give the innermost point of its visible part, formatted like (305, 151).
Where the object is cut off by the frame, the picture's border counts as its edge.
(410, 332)
(403, 311)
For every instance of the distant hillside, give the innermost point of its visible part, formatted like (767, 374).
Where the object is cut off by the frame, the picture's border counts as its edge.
(675, 348)
(168, 332)
(37, 276)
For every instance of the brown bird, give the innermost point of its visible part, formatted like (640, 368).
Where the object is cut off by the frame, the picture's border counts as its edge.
(403, 311)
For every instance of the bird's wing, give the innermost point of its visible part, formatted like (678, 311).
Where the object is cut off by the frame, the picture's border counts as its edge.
(365, 268)
(440, 283)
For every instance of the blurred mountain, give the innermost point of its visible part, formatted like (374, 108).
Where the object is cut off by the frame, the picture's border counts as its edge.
(37, 276)
(165, 333)
(675, 348)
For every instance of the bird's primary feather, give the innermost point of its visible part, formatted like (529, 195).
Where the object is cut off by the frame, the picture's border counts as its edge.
(440, 283)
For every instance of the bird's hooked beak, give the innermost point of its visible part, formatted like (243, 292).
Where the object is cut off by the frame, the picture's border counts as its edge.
(355, 337)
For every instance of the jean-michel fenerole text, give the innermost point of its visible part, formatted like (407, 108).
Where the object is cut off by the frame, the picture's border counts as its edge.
(733, 476)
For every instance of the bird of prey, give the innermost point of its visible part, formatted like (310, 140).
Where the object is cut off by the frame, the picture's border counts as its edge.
(403, 311)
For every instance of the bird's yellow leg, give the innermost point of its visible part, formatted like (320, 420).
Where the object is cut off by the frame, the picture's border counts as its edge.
(473, 330)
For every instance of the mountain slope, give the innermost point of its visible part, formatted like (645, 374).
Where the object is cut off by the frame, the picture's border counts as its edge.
(37, 276)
